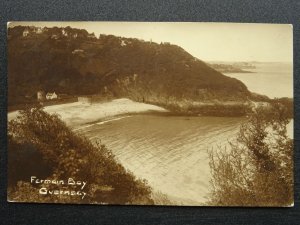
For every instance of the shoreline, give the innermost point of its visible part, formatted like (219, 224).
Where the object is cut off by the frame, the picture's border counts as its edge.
(77, 114)
(118, 117)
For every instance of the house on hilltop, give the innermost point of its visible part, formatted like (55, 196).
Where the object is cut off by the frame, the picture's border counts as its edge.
(32, 30)
(26, 32)
(64, 32)
(38, 30)
(123, 43)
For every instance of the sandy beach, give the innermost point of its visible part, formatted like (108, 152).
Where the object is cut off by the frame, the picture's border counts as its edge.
(76, 114)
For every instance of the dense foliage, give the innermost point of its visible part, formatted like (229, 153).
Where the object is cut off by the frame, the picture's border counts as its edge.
(212, 109)
(258, 168)
(42, 145)
(74, 62)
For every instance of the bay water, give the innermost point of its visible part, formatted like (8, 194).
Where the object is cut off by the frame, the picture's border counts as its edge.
(171, 152)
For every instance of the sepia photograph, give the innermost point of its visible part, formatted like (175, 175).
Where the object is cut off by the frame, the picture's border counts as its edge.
(150, 113)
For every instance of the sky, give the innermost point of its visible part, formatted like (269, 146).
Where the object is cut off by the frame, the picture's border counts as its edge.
(206, 41)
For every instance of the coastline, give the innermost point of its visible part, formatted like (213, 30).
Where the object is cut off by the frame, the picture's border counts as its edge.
(77, 114)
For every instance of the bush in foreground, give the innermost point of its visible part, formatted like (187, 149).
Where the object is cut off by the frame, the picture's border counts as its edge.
(258, 168)
(41, 145)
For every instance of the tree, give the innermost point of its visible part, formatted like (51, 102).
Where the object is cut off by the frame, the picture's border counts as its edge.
(42, 145)
(257, 170)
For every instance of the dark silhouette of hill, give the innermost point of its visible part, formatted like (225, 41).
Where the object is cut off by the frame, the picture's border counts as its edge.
(74, 62)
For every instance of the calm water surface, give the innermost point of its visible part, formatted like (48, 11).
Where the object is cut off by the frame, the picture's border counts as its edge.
(271, 79)
(170, 152)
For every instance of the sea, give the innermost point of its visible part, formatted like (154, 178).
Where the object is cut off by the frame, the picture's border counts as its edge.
(274, 80)
(171, 152)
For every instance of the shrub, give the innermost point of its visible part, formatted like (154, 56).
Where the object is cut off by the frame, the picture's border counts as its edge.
(258, 168)
(41, 144)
